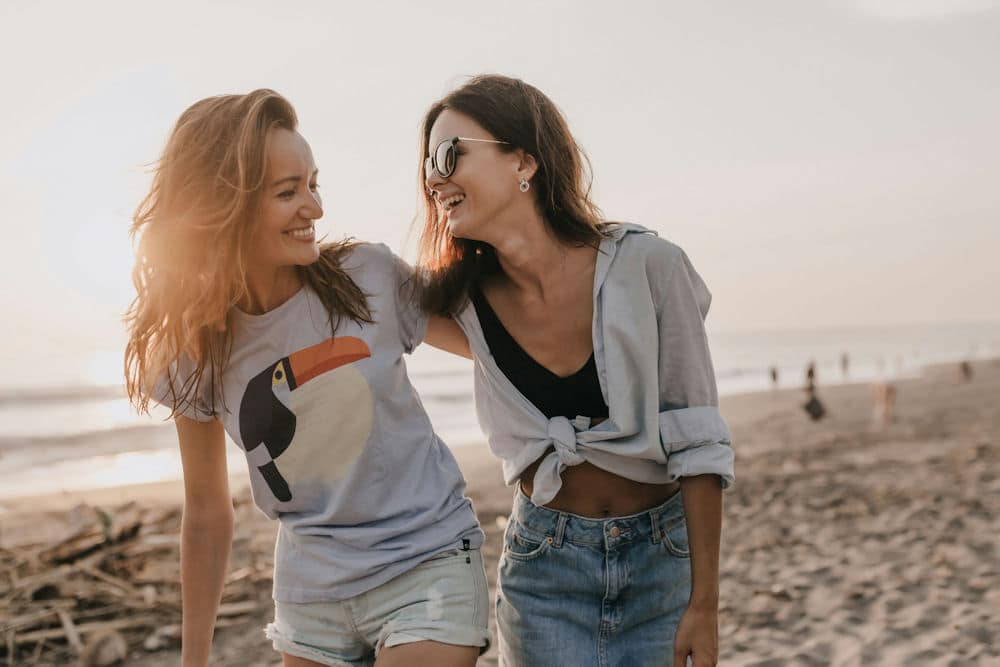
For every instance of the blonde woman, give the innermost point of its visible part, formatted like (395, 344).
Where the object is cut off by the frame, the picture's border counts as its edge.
(243, 324)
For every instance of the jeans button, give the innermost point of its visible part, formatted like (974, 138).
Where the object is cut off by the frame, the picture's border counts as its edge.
(615, 531)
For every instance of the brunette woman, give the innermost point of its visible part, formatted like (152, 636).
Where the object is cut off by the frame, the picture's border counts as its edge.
(593, 382)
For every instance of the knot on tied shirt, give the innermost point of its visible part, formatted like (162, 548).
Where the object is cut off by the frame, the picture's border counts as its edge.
(563, 436)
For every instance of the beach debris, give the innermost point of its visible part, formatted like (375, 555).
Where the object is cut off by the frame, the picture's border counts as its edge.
(105, 649)
(94, 585)
(162, 637)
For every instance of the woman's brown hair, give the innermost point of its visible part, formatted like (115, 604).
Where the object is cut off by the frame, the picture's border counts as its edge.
(521, 115)
(195, 226)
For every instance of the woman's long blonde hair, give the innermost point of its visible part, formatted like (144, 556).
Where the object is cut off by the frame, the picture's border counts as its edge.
(195, 226)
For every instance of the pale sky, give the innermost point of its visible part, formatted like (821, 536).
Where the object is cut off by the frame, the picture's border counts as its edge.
(823, 163)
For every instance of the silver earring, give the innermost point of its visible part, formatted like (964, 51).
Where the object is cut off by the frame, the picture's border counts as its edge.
(523, 185)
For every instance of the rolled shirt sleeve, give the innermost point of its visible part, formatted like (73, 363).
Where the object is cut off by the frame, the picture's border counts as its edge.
(693, 435)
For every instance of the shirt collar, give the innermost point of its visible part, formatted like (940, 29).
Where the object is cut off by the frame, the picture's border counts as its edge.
(609, 247)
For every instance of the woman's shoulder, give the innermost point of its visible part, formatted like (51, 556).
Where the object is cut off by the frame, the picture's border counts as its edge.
(350, 248)
(636, 242)
(376, 269)
(360, 258)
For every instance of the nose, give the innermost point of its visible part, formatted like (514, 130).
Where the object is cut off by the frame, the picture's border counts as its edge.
(312, 208)
(432, 178)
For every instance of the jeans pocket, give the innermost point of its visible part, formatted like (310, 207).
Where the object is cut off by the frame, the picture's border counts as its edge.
(674, 539)
(521, 544)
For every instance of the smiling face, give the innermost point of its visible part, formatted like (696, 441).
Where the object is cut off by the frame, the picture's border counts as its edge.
(285, 234)
(483, 188)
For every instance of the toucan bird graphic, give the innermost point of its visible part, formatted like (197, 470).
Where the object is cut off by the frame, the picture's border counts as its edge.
(267, 418)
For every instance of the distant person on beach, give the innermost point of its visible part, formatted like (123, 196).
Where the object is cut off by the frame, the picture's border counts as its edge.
(965, 371)
(774, 377)
(813, 407)
(885, 403)
(244, 324)
(593, 383)
(845, 364)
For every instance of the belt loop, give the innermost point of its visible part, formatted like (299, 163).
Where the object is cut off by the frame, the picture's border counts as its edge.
(654, 525)
(557, 539)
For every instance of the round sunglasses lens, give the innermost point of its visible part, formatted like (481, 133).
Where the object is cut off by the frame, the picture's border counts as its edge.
(445, 158)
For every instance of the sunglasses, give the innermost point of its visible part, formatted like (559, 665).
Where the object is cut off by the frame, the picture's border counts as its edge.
(444, 159)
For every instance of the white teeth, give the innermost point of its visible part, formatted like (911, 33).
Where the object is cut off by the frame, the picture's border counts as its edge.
(453, 201)
(301, 233)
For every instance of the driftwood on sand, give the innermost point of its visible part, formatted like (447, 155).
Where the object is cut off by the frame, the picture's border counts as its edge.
(95, 585)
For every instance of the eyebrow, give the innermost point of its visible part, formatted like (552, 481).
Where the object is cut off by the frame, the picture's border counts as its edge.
(292, 179)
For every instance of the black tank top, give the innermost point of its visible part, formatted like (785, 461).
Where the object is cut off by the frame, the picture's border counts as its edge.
(572, 396)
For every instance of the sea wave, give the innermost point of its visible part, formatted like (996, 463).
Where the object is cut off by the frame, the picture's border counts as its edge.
(14, 396)
(83, 439)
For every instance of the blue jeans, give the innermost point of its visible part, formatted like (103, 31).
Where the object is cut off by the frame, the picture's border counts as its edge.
(577, 591)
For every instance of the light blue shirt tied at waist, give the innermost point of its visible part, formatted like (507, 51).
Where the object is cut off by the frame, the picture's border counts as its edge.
(655, 371)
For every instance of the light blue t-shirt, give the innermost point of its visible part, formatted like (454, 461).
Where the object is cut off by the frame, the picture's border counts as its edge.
(339, 447)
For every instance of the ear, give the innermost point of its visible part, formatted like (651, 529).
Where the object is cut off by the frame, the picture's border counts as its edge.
(527, 165)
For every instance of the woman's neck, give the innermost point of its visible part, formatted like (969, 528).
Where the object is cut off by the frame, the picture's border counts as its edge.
(268, 290)
(534, 260)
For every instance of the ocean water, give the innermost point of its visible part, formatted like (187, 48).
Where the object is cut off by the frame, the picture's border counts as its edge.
(65, 423)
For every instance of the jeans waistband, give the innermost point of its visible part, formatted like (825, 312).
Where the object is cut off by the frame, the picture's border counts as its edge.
(558, 526)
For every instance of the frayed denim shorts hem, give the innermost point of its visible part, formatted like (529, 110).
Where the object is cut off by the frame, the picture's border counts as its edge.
(444, 599)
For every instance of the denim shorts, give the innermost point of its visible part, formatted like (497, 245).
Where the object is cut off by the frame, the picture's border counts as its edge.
(444, 599)
(579, 591)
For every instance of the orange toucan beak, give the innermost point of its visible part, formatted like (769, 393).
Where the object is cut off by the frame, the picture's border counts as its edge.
(331, 353)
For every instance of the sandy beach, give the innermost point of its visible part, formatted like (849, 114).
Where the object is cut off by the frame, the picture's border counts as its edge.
(844, 543)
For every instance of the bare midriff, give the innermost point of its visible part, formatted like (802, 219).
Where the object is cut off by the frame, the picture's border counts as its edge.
(593, 492)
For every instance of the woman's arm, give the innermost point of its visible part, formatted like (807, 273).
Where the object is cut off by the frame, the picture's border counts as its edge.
(695, 440)
(698, 631)
(445, 334)
(206, 534)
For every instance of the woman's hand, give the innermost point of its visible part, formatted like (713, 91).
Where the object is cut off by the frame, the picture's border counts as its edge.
(697, 636)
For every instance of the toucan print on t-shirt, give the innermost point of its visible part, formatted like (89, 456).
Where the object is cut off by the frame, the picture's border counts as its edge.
(307, 416)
